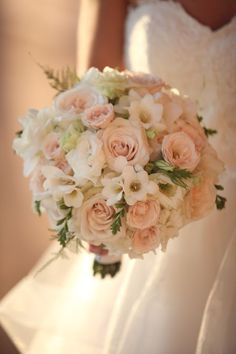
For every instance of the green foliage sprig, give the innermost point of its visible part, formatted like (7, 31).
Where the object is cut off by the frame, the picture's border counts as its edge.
(64, 235)
(220, 200)
(117, 222)
(208, 131)
(37, 207)
(177, 175)
(60, 80)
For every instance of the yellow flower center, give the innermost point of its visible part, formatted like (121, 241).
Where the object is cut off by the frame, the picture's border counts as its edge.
(135, 186)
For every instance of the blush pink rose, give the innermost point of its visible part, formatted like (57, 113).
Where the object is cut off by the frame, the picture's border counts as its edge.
(125, 144)
(200, 200)
(99, 116)
(95, 219)
(146, 240)
(179, 150)
(51, 147)
(194, 130)
(144, 82)
(142, 215)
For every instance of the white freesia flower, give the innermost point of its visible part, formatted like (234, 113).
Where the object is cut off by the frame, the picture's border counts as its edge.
(88, 159)
(36, 125)
(146, 111)
(74, 199)
(169, 194)
(74, 101)
(61, 185)
(113, 188)
(137, 185)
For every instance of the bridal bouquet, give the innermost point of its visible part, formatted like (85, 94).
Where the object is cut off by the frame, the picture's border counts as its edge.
(120, 162)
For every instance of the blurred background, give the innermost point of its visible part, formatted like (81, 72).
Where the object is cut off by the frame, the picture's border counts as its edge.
(47, 30)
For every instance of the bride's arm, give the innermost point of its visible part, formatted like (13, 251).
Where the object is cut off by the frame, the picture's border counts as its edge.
(100, 33)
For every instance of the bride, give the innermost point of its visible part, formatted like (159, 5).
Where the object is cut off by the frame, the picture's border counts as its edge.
(181, 301)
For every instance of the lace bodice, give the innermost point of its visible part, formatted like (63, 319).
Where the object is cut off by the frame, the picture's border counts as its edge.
(163, 39)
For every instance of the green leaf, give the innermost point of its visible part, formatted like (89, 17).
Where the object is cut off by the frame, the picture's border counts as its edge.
(151, 133)
(219, 187)
(209, 132)
(200, 119)
(116, 225)
(106, 269)
(164, 166)
(220, 202)
(177, 176)
(62, 205)
(19, 133)
(37, 207)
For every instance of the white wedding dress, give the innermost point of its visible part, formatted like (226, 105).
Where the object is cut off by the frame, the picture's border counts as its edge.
(178, 302)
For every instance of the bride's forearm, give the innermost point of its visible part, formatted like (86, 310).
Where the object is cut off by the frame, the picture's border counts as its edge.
(100, 33)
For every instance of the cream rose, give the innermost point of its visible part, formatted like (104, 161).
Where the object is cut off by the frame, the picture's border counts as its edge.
(95, 219)
(76, 100)
(200, 200)
(179, 150)
(142, 215)
(98, 116)
(51, 147)
(125, 144)
(146, 240)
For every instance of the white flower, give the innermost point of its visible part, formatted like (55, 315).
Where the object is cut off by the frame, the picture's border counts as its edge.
(74, 199)
(63, 186)
(147, 111)
(36, 125)
(88, 159)
(74, 101)
(110, 82)
(54, 212)
(169, 194)
(137, 185)
(113, 188)
(170, 222)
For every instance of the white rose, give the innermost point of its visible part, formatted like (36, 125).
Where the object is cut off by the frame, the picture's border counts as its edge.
(74, 101)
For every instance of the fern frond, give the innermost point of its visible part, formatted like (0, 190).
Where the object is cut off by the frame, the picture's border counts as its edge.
(60, 80)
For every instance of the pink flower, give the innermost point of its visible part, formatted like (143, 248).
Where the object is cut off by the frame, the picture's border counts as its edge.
(95, 220)
(142, 215)
(146, 240)
(144, 82)
(98, 116)
(210, 165)
(179, 150)
(125, 144)
(200, 200)
(194, 131)
(51, 147)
